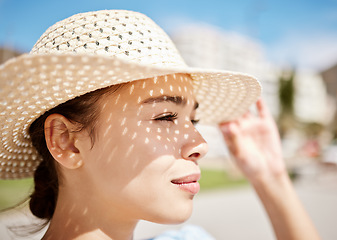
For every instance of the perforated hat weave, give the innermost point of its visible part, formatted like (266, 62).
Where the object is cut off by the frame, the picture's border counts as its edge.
(93, 50)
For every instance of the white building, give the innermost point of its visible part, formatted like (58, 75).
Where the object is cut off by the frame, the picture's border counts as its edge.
(210, 47)
(311, 101)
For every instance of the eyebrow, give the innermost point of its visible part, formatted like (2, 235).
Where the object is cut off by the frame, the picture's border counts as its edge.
(178, 100)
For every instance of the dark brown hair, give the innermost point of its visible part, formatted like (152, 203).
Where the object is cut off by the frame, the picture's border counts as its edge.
(81, 110)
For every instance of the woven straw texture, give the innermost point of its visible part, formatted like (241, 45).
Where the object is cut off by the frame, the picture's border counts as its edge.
(94, 50)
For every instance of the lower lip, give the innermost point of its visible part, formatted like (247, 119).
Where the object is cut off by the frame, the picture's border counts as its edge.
(192, 187)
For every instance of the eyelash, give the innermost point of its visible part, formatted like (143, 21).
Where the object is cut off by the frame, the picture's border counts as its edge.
(169, 117)
(194, 121)
(173, 116)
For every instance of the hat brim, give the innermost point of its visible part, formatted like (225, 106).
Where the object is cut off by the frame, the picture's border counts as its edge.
(33, 83)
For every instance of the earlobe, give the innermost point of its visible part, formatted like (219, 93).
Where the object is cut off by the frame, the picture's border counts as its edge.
(60, 139)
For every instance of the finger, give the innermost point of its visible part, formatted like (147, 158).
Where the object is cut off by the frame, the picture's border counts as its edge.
(227, 127)
(230, 143)
(224, 127)
(247, 115)
(262, 108)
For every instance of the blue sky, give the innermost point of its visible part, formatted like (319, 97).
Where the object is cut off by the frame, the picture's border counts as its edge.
(299, 32)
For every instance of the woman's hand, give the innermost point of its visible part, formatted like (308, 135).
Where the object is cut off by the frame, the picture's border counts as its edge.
(254, 142)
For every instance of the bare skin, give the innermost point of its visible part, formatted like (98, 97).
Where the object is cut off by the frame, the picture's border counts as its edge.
(255, 145)
(146, 143)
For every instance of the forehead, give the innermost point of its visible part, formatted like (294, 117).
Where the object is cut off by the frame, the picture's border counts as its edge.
(171, 85)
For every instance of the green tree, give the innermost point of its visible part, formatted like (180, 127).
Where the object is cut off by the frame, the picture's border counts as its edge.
(286, 119)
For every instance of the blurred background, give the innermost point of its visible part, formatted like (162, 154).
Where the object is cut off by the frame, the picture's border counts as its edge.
(291, 46)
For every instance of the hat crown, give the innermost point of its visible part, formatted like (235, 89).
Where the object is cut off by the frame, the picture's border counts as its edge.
(115, 33)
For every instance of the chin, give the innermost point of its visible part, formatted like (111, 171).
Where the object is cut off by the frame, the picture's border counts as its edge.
(173, 215)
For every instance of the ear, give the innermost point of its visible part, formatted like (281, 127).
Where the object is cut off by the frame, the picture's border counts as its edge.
(60, 139)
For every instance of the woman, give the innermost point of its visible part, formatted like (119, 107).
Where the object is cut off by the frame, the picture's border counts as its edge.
(102, 112)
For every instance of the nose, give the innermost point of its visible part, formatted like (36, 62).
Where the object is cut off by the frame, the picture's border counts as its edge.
(195, 147)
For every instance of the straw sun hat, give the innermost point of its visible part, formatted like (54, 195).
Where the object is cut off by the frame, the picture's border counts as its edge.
(93, 50)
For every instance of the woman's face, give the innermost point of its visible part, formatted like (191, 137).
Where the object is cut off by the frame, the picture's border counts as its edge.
(143, 163)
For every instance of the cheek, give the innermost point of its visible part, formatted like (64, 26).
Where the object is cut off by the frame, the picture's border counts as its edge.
(123, 153)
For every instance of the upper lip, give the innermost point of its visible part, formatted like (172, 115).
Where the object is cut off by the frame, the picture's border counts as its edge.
(187, 179)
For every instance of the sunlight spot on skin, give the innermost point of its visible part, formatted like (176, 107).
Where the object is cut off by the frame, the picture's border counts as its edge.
(166, 147)
(158, 137)
(139, 110)
(129, 150)
(175, 139)
(171, 88)
(134, 135)
(72, 155)
(186, 136)
(85, 211)
(154, 105)
(138, 123)
(193, 140)
(179, 151)
(155, 80)
(150, 121)
(144, 85)
(175, 121)
(117, 99)
(124, 131)
(185, 89)
(165, 78)
(174, 148)
(107, 130)
(176, 131)
(123, 121)
(104, 106)
(191, 92)
(77, 228)
(179, 89)
(132, 88)
(151, 93)
(109, 118)
(59, 155)
(168, 139)
(139, 99)
(186, 125)
(147, 140)
(79, 164)
(112, 154)
(68, 222)
(161, 91)
(148, 130)
(167, 130)
(158, 130)
(154, 149)
(124, 107)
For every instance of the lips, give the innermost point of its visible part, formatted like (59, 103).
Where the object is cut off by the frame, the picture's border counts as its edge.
(188, 183)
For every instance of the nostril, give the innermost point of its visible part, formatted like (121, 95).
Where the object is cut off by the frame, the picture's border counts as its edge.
(194, 155)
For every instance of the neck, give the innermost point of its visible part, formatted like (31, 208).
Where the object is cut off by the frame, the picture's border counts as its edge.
(84, 218)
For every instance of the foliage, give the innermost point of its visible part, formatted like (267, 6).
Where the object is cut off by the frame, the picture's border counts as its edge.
(287, 96)
(217, 178)
(14, 192)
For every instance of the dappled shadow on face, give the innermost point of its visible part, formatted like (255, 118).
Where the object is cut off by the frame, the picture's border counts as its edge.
(145, 139)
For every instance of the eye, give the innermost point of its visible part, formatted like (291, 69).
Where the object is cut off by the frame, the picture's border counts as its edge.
(195, 121)
(169, 117)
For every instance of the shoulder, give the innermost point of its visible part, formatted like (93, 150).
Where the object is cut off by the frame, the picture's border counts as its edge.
(188, 232)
